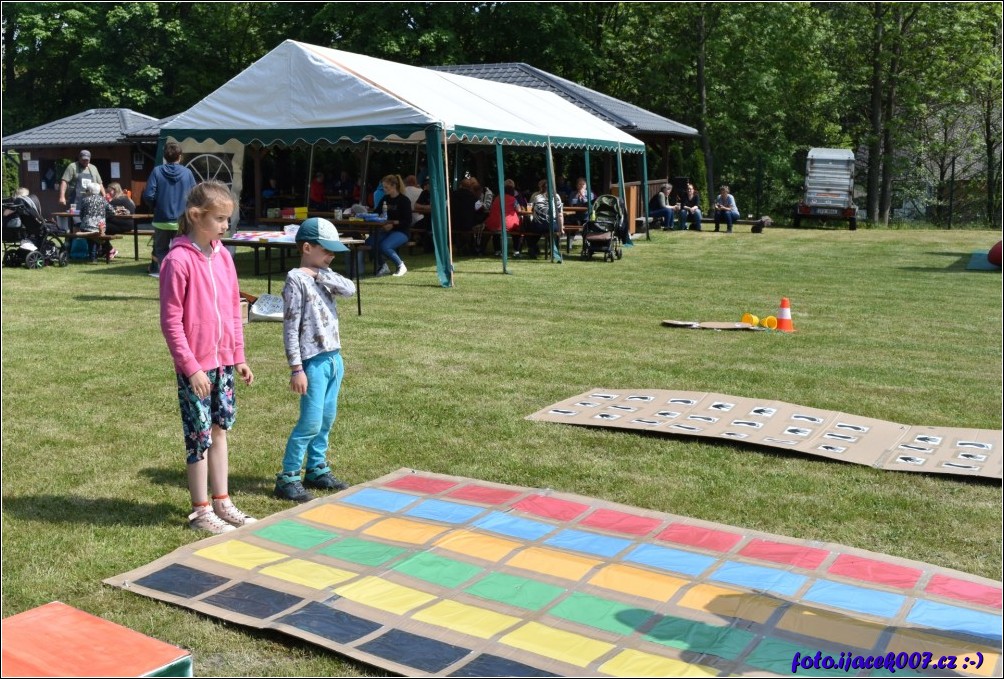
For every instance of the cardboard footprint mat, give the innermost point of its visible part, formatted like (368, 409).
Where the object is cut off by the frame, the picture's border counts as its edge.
(827, 433)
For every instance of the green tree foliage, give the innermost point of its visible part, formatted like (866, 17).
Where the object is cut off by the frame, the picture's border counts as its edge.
(911, 88)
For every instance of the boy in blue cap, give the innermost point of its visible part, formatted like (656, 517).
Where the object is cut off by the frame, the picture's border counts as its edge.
(313, 349)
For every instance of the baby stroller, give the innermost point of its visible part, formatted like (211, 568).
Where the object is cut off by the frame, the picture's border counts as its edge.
(28, 240)
(604, 230)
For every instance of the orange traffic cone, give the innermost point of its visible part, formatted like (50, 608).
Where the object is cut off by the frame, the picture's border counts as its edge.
(784, 317)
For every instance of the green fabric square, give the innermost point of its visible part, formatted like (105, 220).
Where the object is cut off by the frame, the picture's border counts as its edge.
(438, 569)
(295, 534)
(514, 590)
(725, 642)
(776, 656)
(604, 614)
(362, 551)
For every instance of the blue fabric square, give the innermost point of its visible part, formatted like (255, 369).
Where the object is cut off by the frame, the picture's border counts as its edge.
(590, 543)
(513, 526)
(668, 559)
(759, 578)
(851, 598)
(385, 500)
(955, 619)
(447, 512)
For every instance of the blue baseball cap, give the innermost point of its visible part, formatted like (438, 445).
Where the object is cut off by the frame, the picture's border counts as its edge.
(320, 231)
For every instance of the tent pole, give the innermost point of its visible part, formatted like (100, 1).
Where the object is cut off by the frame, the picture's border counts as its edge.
(363, 198)
(310, 174)
(620, 184)
(552, 207)
(644, 195)
(500, 199)
(589, 190)
(449, 209)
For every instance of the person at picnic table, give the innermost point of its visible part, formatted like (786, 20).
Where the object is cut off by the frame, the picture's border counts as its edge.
(725, 209)
(463, 210)
(313, 351)
(421, 213)
(582, 197)
(94, 214)
(198, 292)
(122, 205)
(540, 203)
(167, 190)
(690, 209)
(316, 199)
(78, 177)
(385, 241)
(659, 207)
(493, 223)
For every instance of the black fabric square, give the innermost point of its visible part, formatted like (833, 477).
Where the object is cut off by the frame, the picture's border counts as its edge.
(412, 650)
(329, 623)
(487, 665)
(182, 581)
(253, 600)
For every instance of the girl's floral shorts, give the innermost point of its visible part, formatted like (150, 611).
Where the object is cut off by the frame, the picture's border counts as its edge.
(198, 415)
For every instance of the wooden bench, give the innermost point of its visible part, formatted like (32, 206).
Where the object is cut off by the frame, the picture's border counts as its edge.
(641, 223)
(95, 236)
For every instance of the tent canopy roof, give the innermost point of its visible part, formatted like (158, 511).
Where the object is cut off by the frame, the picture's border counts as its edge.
(305, 93)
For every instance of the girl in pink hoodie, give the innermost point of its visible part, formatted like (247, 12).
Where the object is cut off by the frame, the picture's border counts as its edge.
(201, 321)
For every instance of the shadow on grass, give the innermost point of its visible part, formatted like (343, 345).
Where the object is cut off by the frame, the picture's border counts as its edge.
(175, 476)
(94, 511)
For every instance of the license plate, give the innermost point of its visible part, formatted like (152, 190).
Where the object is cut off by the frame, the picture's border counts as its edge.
(825, 211)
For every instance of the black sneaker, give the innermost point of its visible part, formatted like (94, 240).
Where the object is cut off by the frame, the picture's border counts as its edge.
(290, 488)
(323, 479)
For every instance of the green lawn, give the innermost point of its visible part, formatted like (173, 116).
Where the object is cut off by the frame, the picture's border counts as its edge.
(889, 325)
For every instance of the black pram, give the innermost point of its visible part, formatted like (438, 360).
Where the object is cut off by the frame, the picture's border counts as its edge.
(605, 229)
(28, 240)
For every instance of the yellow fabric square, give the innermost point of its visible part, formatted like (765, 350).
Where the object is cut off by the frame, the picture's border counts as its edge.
(240, 554)
(638, 664)
(826, 625)
(917, 642)
(574, 649)
(478, 622)
(550, 562)
(385, 595)
(404, 530)
(477, 545)
(630, 580)
(308, 573)
(340, 516)
(730, 602)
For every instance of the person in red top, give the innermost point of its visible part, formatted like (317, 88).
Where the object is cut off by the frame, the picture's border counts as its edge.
(200, 316)
(493, 223)
(318, 191)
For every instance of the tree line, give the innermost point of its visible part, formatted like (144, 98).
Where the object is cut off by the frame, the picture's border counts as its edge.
(914, 89)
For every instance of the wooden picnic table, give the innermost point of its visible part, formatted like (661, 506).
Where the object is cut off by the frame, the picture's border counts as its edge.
(137, 219)
(268, 240)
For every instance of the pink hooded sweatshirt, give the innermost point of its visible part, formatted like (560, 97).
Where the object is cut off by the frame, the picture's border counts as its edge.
(200, 308)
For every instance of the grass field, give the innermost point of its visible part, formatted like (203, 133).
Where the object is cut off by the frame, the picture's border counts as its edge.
(890, 325)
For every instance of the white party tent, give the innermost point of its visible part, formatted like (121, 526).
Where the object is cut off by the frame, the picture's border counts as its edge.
(301, 93)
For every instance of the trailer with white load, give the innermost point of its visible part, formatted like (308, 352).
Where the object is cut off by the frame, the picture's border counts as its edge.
(829, 187)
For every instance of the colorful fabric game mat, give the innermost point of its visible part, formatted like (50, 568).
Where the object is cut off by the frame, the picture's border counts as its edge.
(427, 574)
(827, 433)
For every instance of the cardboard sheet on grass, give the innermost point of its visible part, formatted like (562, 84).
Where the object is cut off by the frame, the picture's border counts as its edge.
(838, 436)
(426, 574)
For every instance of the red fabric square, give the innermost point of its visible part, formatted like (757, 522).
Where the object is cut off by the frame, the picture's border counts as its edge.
(860, 568)
(694, 536)
(620, 522)
(550, 508)
(483, 494)
(780, 552)
(422, 484)
(964, 590)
